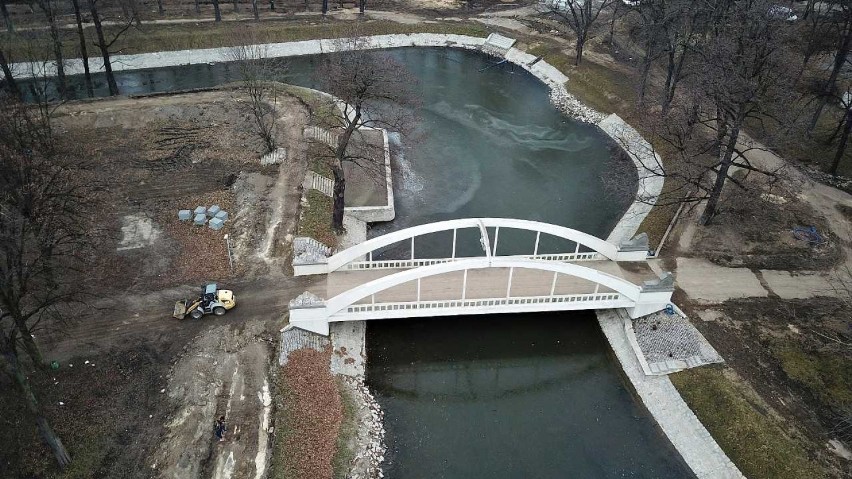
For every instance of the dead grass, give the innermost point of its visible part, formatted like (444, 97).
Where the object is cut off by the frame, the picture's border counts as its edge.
(826, 375)
(170, 37)
(315, 220)
(759, 442)
(348, 431)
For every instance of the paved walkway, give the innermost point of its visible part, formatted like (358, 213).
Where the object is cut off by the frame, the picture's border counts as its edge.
(686, 433)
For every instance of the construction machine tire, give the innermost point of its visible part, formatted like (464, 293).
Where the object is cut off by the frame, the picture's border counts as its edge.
(219, 310)
(196, 314)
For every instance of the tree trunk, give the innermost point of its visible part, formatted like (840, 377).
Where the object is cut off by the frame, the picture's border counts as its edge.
(102, 45)
(160, 8)
(9, 26)
(11, 83)
(32, 348)
(13, 369)
(579, 50)
(216, 12)
(254, 10)
(56, 37)
(197, 7)
(339, 200)
(727, 158)
(841, 147)
(839, 62)
(362, 5)
(83, 50)
(324, 7)
(643, 80)
(236, 6)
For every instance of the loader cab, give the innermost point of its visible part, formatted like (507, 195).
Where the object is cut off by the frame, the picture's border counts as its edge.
(208, 297)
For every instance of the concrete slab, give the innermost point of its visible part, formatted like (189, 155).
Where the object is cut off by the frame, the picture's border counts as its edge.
(137, 231)
(705, 281)
(348, 341)
(792, 285)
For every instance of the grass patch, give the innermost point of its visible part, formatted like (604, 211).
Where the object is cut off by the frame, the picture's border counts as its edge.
(602, 88)
(169, 37)
(315, 220)
(553, 55)
(755, 438)
(827, 376)
(348, 431)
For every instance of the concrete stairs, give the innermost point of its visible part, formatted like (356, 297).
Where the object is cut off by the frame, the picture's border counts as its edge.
(320, 183)
(321, 135)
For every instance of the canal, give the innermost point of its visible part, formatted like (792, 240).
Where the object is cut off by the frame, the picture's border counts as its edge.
(510, 396)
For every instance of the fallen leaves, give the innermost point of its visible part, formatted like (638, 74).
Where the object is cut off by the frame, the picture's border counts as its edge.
(314, 413)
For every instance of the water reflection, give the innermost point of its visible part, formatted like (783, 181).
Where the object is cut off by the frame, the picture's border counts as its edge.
(510, 396)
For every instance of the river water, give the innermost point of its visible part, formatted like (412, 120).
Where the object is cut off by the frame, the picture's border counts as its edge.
(508, 396)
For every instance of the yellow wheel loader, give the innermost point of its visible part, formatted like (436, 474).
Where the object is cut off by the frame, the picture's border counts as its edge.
(212, 301)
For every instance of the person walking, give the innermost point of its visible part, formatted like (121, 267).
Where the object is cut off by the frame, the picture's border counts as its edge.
(220, 428)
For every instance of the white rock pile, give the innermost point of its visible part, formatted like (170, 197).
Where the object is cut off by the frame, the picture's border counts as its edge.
(370, 442)
(571, 106)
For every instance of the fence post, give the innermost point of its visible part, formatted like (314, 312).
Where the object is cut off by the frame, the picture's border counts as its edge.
(230, 257)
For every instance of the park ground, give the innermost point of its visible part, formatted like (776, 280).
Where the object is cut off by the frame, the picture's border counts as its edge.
(135, 389)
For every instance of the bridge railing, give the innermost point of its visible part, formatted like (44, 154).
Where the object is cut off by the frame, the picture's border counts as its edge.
(360, 257)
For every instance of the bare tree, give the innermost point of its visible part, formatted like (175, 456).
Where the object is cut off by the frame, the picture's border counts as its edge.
(84, 54)
(43, 243)
(10, 27)
(690, 147)
(258, 72)
(680, 34)
(9, 82)
(745, 72)
(216, 12)
(372, 91)
(841, 53)
(104, 45)
(843, 128)
(580, 16)
(48, 8)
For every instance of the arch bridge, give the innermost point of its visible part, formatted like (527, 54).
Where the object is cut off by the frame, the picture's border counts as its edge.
(593, 274)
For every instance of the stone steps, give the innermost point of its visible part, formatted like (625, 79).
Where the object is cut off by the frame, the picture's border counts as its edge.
(309, 251)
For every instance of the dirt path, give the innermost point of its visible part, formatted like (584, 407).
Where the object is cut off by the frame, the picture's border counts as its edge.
(224, 372)
(129, 321)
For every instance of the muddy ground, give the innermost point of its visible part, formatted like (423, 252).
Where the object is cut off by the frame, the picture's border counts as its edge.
(153, 385)
(754, 229)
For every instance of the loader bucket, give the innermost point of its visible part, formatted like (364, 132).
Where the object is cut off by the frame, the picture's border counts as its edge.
(180, 310)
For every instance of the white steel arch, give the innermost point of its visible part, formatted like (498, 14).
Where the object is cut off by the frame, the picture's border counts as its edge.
(600, 246)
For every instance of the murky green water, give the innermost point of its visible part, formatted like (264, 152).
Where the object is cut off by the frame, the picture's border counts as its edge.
(510, 396)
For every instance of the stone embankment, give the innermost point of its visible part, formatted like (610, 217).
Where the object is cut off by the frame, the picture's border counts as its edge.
(370, 437)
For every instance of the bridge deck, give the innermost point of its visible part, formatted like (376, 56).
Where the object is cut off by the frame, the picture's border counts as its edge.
(482, 283)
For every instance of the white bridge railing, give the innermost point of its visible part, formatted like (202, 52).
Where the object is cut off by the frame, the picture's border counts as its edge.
(416, 263)
(360, 256)
(483, 303)
(360, 302)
